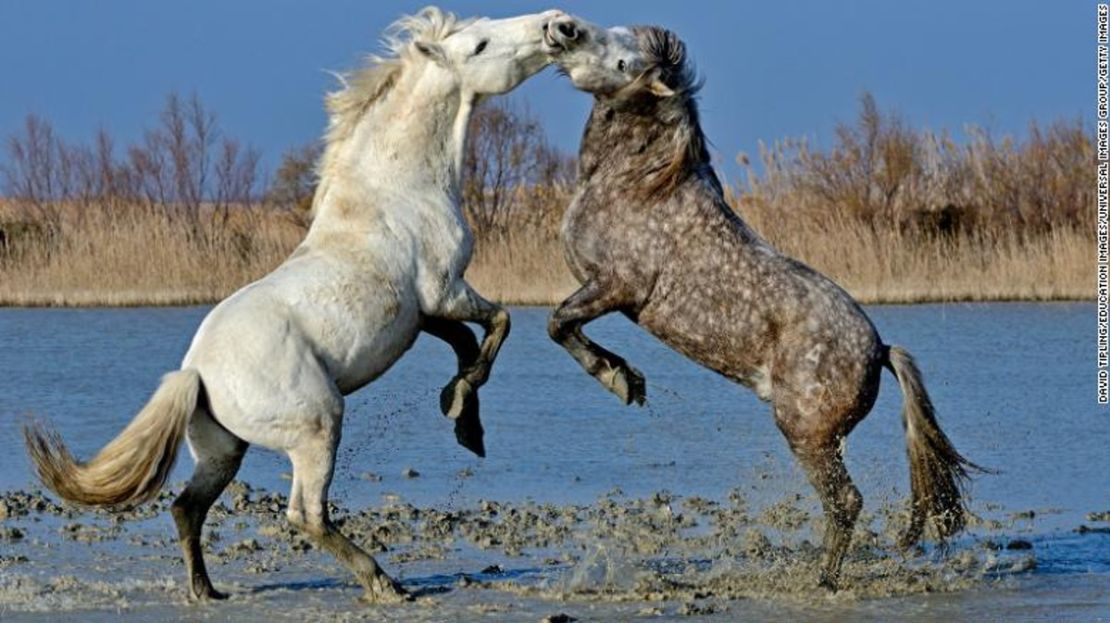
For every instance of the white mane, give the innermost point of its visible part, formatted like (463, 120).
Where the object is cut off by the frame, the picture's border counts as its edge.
(363, 87)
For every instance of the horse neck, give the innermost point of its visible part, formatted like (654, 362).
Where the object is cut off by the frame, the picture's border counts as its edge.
(629, 140)
(629, 150)
(407, 144)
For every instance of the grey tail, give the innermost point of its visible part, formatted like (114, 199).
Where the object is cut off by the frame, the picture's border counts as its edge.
(938, 473)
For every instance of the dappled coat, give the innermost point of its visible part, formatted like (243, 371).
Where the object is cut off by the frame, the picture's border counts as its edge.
(649, 234)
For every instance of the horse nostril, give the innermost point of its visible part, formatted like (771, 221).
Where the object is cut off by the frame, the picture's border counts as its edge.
(568, 30)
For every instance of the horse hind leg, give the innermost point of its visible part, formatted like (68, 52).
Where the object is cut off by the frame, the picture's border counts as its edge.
(218, 456)
(313, 465)
(840, 499)
(841, 502)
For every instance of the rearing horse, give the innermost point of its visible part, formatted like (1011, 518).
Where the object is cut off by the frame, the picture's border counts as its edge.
(649, 234)
(383, 260)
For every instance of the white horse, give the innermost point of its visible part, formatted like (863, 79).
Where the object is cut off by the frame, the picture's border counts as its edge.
(383, 260)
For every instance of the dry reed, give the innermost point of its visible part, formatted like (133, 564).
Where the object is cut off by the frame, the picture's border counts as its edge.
(142, 258)
(893, 215)
(891, 265)
(150, 259)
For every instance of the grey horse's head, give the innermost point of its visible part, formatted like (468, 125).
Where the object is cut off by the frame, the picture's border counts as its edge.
(643, 85)
(641, 63)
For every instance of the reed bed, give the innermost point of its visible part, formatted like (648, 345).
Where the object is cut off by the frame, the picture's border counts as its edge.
(895, 266)
(150, 259)
(142, 258)
(892, 214)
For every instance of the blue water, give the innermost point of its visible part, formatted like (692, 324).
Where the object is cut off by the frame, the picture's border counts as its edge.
(1014, 386)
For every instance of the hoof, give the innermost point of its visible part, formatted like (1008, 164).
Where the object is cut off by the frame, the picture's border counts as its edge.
(827, 583)
(455, 396)
(468, 428)
(626, 382)
(205, 594)
(459, 401)
(385, 590)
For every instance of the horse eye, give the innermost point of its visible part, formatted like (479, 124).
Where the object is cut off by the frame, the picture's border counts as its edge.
(481, 46)
(620, 65)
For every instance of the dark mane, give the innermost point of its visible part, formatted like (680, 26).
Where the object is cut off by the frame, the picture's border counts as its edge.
(666, 53)
(667, 61)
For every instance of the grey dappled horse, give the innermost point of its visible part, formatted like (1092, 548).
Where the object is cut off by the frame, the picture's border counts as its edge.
(649, 234)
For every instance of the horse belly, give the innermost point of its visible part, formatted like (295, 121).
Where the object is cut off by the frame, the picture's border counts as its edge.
(703, 340)
(361, 329)
(271, 377)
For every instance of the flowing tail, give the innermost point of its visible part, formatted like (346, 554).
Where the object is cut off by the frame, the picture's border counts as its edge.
(938, 472)
(132, 468)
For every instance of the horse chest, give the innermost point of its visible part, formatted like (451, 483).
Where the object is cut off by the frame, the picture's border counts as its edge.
(447, 243)
(594, 233)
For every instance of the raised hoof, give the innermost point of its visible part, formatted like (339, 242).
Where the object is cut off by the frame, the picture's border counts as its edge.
(468, 427)
(384, 590)
(454, 398)
(626, 382)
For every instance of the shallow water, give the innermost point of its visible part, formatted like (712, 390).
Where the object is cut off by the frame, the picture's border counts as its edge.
(1013, 384)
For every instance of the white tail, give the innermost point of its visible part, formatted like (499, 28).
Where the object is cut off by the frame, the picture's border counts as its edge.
(132, 468)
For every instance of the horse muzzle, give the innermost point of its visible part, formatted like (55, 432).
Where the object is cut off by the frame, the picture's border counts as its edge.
(561, 33)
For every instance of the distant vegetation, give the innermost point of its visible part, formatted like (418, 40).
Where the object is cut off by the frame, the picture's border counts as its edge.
(179, 217)
(902, 215)
(894, 214)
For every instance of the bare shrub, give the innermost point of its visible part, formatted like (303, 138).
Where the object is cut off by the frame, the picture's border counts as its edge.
(512, 178)
(294, 184)
(892, 213)
(34, 172)
(881, 172)
(182, 167)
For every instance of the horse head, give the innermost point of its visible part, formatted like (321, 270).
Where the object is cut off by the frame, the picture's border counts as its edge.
(487, 56)
(642, 64)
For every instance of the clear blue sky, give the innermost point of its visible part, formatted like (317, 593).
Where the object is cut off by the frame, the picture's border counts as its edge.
(773, 70)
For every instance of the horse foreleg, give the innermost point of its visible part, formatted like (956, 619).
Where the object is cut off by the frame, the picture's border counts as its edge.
(466, 305)
(464, 404)
(591, 301)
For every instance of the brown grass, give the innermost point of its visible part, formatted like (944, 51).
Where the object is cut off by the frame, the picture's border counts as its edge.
(897, 266)
(141, 258)
(524, 269)
(892, 214)
(150, 259)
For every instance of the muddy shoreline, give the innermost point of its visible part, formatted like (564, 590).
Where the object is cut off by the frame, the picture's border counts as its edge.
(663, 555)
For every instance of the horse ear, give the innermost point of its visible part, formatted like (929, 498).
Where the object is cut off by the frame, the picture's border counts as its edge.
(432, 51)
(659, 89)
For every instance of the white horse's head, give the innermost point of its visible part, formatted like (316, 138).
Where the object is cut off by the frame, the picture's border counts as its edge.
(621, 62)
(402, 119)
(487, 56)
